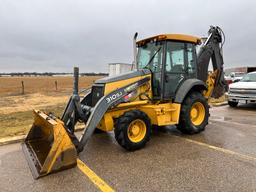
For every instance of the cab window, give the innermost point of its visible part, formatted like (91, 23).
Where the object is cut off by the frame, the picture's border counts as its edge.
(175, 57)
(150, 56)
(180, 57)
(191, 52)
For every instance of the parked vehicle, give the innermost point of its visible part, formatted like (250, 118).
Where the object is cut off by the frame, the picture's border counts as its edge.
(237, 76)
(234, 77)
(243, 91)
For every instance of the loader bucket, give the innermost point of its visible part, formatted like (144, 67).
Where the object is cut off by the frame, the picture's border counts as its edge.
(48, 147)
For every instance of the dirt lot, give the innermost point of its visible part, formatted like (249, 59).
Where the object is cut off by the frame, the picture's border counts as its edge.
(40, 93)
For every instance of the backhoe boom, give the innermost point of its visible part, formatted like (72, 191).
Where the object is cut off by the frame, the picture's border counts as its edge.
(212, 50)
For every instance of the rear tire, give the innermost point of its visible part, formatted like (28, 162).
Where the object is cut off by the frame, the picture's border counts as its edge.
(232, 103)
(133, 130)
(194, 114)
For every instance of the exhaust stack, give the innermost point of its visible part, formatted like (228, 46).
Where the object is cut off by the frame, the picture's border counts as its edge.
(135, 63)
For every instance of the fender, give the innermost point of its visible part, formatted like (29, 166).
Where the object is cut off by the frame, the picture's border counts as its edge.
(188, 85)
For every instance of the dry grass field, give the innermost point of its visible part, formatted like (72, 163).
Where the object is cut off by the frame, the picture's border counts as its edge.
(46, 85)
(16, 115)
(40, 93)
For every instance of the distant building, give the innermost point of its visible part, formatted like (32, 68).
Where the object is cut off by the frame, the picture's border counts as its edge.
(118, 68)
(240, 69)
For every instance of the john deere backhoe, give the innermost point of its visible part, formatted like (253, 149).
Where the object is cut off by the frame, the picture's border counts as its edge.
(169, 85)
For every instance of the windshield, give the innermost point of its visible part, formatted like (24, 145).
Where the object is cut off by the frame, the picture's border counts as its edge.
(251, 77)
(150, 56)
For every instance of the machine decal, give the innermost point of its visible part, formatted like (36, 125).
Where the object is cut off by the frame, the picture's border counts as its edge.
(114, 97)
(131, 87)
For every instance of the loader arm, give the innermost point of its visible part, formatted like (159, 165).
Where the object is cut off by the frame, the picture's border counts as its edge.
(108, 101)
(51, 144)
(212, 50)
(91, 116)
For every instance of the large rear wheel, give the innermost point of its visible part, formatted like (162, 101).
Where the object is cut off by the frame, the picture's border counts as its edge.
(133, 130)
(194, 114)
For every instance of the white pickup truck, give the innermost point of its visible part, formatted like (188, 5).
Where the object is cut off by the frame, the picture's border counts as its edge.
(243, 91)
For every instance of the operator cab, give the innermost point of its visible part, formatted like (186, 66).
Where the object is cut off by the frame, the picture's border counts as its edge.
(171, 59)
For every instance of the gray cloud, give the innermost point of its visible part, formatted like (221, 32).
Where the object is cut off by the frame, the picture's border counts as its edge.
(46, 35)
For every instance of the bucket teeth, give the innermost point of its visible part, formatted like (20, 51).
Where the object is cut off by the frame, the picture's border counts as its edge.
(48, 147)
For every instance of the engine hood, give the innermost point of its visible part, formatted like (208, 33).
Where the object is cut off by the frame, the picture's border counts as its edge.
(123, 76)
(243, 85)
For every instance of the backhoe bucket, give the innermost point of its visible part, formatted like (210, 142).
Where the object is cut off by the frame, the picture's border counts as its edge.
(48, 147)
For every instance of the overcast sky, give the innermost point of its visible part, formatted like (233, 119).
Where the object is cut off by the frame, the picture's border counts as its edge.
(55, 35)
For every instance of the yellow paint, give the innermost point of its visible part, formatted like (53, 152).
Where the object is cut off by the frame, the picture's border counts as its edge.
(226, 151)
(137, 130)
(62, 152)
(106, 123)
(159, 114)
(134, 103)
(102, 185)
(197, 113)
(177, 37)
(110, 87)
(210, 82)
(162, 114)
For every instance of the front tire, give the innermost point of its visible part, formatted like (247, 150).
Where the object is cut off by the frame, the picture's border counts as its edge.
(133, 130)
(194, 114)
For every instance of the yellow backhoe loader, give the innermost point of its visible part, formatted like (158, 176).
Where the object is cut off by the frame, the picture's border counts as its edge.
(169, 85)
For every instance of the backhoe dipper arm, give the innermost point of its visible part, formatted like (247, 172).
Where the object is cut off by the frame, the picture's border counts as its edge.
(212, 49)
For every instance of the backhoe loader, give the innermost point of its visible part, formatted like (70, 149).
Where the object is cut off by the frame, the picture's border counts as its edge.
(169, 85)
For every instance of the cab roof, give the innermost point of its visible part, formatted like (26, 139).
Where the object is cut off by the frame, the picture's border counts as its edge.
(175, 37)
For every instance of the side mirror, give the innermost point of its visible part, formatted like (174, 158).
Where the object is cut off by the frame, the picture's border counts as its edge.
(236, 80)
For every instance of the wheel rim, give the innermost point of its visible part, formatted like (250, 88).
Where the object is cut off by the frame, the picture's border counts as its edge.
(137, 130)
(197, 113)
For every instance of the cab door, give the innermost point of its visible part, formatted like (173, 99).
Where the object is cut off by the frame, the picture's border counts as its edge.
(150, 56)
(179, 66)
